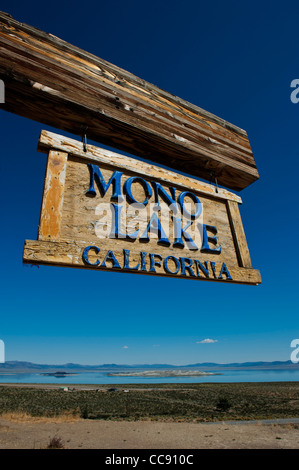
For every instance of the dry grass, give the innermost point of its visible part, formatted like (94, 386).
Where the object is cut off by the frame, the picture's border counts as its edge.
(22, 417)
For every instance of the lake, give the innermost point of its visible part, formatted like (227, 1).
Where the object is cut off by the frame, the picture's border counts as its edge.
(102, 378)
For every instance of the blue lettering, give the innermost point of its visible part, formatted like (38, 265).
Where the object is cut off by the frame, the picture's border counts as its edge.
(143, 260)
(95, 173)
(169, 199)
(202, 268)
(155, 226)
(225, 271)
(187, 266)
(206, 239)
(110, 257)
(176, 262)
(212, 263)
(180, 232)
(116, 223)
(126, 261)
(86, 252)
(128, 190)
(197, 202)
(154, 262)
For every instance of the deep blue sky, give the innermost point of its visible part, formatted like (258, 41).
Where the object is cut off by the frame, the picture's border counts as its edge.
(235, 59)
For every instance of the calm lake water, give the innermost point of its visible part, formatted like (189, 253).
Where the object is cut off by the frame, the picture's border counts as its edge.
(103, 378)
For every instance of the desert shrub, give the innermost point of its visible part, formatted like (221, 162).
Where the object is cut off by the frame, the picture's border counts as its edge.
(223, 404)
(203, 402)
(55, 443)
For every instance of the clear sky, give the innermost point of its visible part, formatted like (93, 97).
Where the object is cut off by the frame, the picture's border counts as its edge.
(235, 59)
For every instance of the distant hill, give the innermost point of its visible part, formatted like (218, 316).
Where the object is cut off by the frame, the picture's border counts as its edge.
(23, 366)
(250, 365)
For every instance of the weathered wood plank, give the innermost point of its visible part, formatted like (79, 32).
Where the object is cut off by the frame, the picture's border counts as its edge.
(55, 83)
(51, 212)
(90, 219)
(239, 234)
(70, 254)
(49, 140)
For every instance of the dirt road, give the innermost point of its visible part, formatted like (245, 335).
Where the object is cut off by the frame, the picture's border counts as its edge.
(32, 433)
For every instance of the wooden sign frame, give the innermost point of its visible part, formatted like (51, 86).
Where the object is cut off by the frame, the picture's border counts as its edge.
(60, 246)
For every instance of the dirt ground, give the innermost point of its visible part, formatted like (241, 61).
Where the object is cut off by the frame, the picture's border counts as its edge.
(32, 433)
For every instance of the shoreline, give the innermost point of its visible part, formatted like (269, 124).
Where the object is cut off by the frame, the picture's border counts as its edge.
(146, 385)
(142, 385)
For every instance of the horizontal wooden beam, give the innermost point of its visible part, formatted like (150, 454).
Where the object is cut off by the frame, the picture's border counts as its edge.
(49, 140)
(69, 254)
(52, 82)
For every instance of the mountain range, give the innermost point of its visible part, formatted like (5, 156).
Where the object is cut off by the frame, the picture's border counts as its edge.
(23, 366)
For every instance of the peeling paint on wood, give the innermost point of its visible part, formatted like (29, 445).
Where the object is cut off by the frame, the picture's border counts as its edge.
(51, 212)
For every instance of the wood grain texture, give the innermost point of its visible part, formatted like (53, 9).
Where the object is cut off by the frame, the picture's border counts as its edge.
(49, 140)
(85, 219)
(69, 254)
(58, 84)
(239, 234)
(75, 217)
(51, 212)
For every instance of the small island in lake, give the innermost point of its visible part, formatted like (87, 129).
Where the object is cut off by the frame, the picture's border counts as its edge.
(162, 373)
(58, 374)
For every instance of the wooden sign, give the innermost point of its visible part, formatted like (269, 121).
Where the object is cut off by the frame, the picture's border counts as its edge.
(105, 211)
(53, 82)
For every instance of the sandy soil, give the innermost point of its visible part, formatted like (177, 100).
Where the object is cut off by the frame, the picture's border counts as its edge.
(30, 433)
